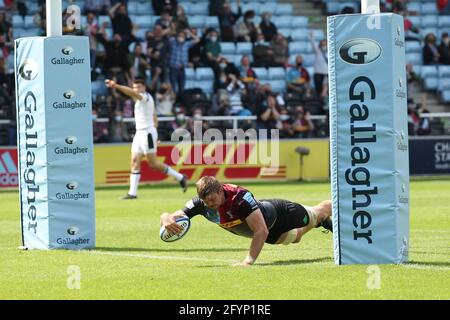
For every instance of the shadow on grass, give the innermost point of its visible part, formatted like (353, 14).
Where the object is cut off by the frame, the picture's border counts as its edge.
(279, 263)
(430, 263)
(119, 249)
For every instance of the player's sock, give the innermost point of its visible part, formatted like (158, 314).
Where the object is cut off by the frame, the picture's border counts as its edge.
(169, 171)
(134, 183)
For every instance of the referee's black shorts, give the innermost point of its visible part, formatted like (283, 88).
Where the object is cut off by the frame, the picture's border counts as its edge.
(290, 215)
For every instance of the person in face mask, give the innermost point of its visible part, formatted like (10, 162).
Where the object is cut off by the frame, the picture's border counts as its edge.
(262, 54)
(268, 28)
(248, 31)
(431, 54)
(444, 49)
(298, 77)
(121, 22)
(213, 49)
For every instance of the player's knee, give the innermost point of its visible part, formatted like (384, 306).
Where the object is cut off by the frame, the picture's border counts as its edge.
(291, 237)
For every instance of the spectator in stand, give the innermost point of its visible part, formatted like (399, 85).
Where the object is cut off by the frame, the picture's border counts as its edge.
(119, 132)
(411, 77)
(285, 124)
(443, 7)
(412, 32)
(267, 27)
(98, 7)
(235, 90)
(181, 20)
(245, 70)
(267, 115)
(303, 126)
(165, 21)
(116, 60)
(298, 77)
(413, 121)
(215, 7)
(197, 115)
(138, 62)
(431, 54)
(248, 31)
(280, 49)
(444, 49)
(165, 100)
(180, 125)
(320, 63)
(161, 5)
(121, 22)
(179, 59)
(424, 122)
(5, 26)
(262, 55)
(91, 31)
(159, 53)
(227, 21)
(213, 51)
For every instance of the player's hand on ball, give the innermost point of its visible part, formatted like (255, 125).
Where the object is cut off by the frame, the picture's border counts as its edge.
(169, 222)
(110, 83)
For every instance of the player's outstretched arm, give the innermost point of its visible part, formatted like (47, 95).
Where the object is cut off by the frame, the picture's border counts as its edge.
(124, 89)
(169, 221)
(258, 225)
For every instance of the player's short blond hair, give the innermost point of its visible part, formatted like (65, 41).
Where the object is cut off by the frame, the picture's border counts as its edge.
(207, 185)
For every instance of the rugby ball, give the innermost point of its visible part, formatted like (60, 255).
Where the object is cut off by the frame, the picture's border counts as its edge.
(183, 222)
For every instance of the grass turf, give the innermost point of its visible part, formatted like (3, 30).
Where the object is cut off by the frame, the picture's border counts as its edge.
(131, 262)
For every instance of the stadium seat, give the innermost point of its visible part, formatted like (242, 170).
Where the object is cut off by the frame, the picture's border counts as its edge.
(286, 32)
(207, 86)
(144, 21)
(301, 47)
(212, 22)
(415, 20)
(308, 59)
(18, 22)
(29, 22)
(429, 9)
(277, 74)
(282, 22)
(251, 6)
(415, 7)
(204, 74)
(278, 86)
(431, 83)
(332, 7)
(133, 8)
(445, 96)
(284, 9)
(190, 74)
(444, 22)
(299, 22)
(444, 72)
(244, 48)
(144, 8)
(444, 84)
(414, 58)
(300, 35)
(199, 9)
(197, 21)
(261, 73)
(186, 6)
(426, 31)
(269, 7)
(429, 72)
(228, 47)
(413, 47)
(429, 22)
(318, 34)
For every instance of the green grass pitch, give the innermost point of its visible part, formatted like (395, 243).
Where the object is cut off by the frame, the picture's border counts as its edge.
(131, 262)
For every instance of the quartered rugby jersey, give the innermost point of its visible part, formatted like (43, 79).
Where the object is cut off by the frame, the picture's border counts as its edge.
(239, 204)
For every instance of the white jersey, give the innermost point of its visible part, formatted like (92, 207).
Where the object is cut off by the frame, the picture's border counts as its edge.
(144, 111)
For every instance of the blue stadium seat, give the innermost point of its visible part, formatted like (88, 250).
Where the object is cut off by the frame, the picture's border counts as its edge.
(198, 9)
(444, 71)
(300, 35)
(140, 33)
(445, 96)
(282, 22)
(144, 21)
(261, 73)
(190, 74)
(414, 58)
(413, 47)
(429, 8)
(144, 8)
(269, 7)
(429, 72)
(133, 8)
(284, 9)
(277, 74)
(431, 83)
(299, 22)
(190, 84)
(29, 22)
(237, 59)
(102, 19)
(308, 59)
(300, 47)
(278, 86)
(429, 22)
(415, 7)
(426, 31)
(244, 48)
(98, 89)
(197, 21)
(212, 22)
(444, 84)
(18, 22)
(444, 22)
(415, 20)
(286, 32)
(204, 74)
(206, 86)
(228, 47)
(186, 6)
(251, 6)
(318, 34)
(332, 7)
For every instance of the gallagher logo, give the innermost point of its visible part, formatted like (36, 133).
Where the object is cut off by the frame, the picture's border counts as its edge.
(71, 140)
(360, 51)
(67, 50)
(28, 70)
(73, 231)
(69, 94)
(72, 185)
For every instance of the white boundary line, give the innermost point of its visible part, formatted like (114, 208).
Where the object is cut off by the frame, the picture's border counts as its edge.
(145, 256)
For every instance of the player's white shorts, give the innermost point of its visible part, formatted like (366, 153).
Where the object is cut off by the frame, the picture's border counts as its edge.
(145, 141)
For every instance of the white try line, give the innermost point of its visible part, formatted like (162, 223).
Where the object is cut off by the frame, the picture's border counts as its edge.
(146, 256)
